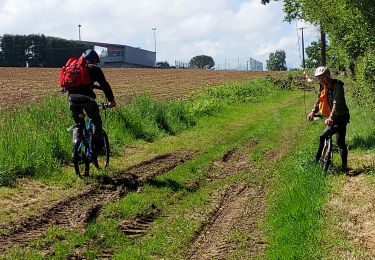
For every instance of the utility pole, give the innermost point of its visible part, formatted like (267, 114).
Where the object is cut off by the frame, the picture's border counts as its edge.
(303, 49)
(323, 46)
(79, 32)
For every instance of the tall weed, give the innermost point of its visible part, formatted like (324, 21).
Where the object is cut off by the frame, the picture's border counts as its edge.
(33, 140)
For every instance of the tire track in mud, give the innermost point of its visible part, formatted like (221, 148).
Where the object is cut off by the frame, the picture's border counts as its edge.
(236, 207)
(211, 243)
(78, 210)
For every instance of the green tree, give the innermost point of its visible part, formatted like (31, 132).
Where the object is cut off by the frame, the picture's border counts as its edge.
(202, 61)
(277, 61)
(38, 50)
(313, 55)
(350, 26)
(13, 49)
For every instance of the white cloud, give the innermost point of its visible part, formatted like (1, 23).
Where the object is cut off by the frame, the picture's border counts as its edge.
(224, 29)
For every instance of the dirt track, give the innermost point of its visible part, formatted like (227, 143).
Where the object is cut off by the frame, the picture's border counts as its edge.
(20, 85)
(237, 207)
(78, 210)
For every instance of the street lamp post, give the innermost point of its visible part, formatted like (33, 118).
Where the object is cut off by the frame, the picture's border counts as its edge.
(154, 29)
(79, 31)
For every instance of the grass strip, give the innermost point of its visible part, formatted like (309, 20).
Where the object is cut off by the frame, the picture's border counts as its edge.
(295, 224)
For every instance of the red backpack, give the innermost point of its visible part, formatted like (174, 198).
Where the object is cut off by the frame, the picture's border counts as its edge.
(74, 73)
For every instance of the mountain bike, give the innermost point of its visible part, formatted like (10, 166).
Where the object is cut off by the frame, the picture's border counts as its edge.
(85, 153)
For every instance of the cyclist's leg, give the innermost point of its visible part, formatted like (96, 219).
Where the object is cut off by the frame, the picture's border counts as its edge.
(77, 111)
(328, 132)
(340, 137)
(92, 111)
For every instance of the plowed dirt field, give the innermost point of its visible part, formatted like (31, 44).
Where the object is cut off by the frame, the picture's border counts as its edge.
(20, 85)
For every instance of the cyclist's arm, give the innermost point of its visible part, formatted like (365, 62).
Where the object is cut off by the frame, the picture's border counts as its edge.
(97, 75)
(338, 100)
(316, 104)
(315, 108)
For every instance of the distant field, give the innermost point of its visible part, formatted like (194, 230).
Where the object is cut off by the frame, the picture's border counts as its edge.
(21, 85)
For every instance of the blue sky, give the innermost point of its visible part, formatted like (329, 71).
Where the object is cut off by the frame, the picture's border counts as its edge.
(231, 31)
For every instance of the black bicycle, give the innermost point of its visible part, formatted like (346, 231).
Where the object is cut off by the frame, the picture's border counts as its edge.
(326, 158)
(84, 153)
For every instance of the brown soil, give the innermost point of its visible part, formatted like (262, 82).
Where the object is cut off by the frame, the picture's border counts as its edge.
(79, 209)
(213, 241)
(22, 85)
(238, 207)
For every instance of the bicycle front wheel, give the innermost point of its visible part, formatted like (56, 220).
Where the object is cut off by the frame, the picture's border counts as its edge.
(80, 161)
(102, 151)
(326, 158)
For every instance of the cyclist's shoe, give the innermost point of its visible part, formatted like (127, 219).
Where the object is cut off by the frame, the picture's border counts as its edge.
(345, 168)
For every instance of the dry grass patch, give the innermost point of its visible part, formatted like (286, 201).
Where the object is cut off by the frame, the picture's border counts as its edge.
(352, 213)
(28, 198)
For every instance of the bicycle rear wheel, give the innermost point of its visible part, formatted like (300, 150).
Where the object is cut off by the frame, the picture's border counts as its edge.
(80, 161)
(326, 158)
(102, 151)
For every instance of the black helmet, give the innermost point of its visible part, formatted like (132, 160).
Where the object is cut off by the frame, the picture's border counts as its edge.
(91, 56)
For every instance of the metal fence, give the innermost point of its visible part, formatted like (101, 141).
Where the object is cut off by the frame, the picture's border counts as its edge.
(239, 64)
(229, 64)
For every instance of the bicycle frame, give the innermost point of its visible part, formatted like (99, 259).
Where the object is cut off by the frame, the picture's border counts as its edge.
(85, 140)
(87, 133)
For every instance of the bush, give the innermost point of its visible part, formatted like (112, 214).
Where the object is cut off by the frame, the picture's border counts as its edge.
(365, 79)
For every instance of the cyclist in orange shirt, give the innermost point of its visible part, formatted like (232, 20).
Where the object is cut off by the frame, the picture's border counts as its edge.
(332, 105)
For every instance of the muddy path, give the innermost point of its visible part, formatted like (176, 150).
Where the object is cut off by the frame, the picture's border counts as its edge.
(214, 241)
(237, 207)
(80, 209)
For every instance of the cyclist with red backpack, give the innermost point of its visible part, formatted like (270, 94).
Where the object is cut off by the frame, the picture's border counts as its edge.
(77, 77)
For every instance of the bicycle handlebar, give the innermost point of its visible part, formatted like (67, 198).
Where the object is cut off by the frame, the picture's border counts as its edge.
(103, 106)
(317, 117)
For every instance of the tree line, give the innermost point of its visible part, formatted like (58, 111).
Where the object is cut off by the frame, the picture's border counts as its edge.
(38, 50)
(348, 26)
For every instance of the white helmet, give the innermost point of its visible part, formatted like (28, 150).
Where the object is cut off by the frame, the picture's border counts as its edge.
(321, 70)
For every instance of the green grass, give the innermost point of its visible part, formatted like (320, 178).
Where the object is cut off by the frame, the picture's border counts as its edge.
(34, 141)
(169, 236)
(295, 221)
(227, 117)
(361, 147)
